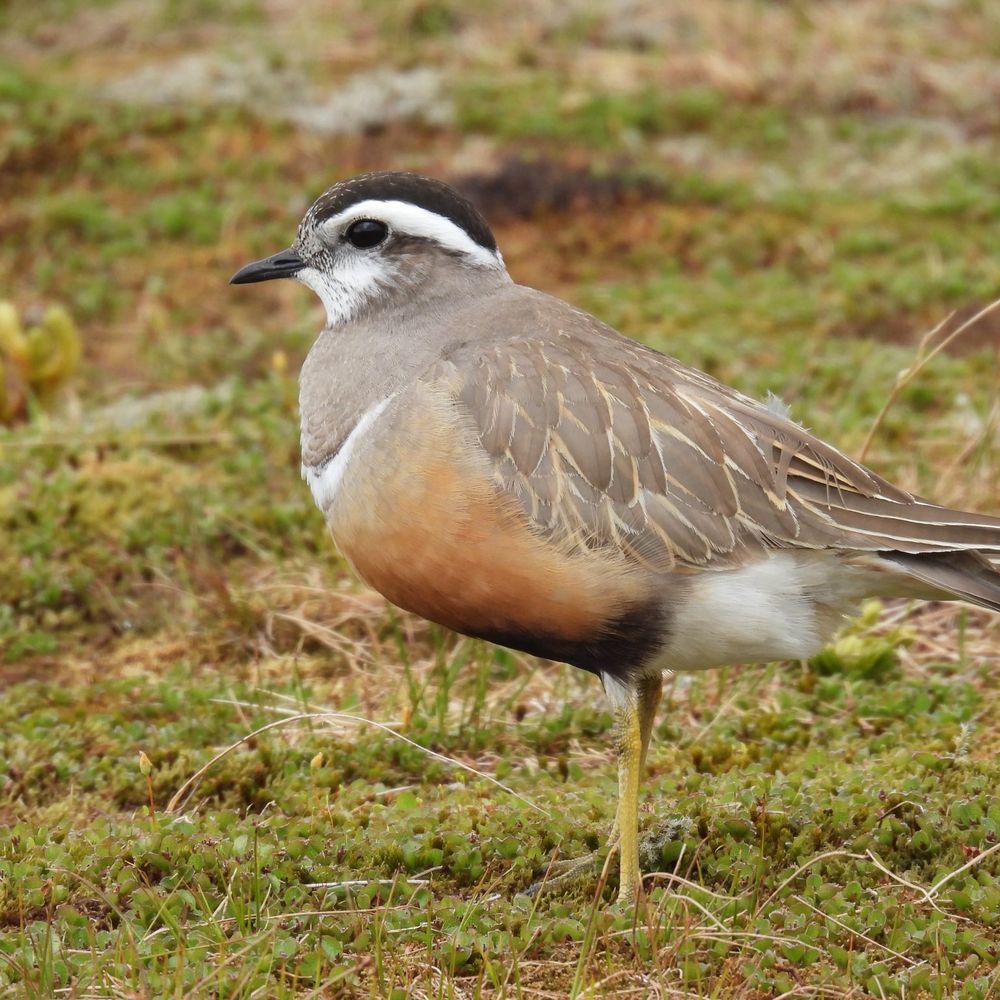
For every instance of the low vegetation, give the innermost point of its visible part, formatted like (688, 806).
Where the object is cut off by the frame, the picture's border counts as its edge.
(226, 768)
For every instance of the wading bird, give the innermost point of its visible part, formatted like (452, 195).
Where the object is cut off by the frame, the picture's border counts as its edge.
(505, 465)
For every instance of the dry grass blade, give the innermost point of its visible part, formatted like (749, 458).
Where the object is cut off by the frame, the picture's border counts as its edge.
(934, 889)
(671, 877)
(929, 894)
(864, 937)
(329, 637)
(814, 991)
(812, 861)
(182, 793)
(922, 360)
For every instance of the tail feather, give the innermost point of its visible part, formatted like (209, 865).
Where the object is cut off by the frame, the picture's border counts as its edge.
(965, 576)
(907, 526)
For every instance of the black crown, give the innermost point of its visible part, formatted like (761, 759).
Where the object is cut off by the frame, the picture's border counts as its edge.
(424, 192)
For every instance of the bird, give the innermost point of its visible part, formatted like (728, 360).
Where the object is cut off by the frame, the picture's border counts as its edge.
(503, 464)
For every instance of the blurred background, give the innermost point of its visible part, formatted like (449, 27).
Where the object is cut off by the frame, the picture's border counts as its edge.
(786, 194)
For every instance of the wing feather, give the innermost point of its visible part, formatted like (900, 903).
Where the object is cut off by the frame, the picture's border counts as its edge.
(603, 442)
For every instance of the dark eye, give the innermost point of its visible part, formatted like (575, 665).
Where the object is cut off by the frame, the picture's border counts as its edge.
(366, 233)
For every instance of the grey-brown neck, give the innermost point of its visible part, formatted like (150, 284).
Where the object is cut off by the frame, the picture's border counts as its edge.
(353, 367)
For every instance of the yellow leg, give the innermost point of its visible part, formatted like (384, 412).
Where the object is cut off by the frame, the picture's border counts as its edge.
(626, 705)
(635, 712)
(650, 689)
(648, 692)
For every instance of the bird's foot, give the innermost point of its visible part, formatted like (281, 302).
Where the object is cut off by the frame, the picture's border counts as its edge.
(631, 898)
(567, 870)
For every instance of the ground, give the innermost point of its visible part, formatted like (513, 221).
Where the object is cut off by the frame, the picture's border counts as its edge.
(337, 799)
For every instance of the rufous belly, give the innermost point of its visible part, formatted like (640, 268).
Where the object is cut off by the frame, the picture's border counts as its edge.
(422, 521)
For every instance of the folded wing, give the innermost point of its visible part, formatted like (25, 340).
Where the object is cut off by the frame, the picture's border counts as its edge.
(603, 442)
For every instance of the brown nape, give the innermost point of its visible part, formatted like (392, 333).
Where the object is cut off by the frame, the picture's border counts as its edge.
(424, 524)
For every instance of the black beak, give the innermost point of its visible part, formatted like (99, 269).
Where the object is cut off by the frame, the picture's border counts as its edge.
(283, 264)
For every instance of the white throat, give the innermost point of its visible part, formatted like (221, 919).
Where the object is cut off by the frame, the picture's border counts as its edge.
(355, 284)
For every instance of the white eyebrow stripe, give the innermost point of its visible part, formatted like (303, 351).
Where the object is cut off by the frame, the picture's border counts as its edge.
(405, 217)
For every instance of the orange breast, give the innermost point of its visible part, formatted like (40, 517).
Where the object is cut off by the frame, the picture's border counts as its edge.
(422, 522)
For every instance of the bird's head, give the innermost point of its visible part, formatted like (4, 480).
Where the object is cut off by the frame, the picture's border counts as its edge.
(370, 240)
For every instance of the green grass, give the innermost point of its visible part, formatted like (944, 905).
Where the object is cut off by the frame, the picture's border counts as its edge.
(166, 585)
(793, 792)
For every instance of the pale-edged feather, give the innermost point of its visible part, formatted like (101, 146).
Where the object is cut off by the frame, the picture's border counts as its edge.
(604, 442)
